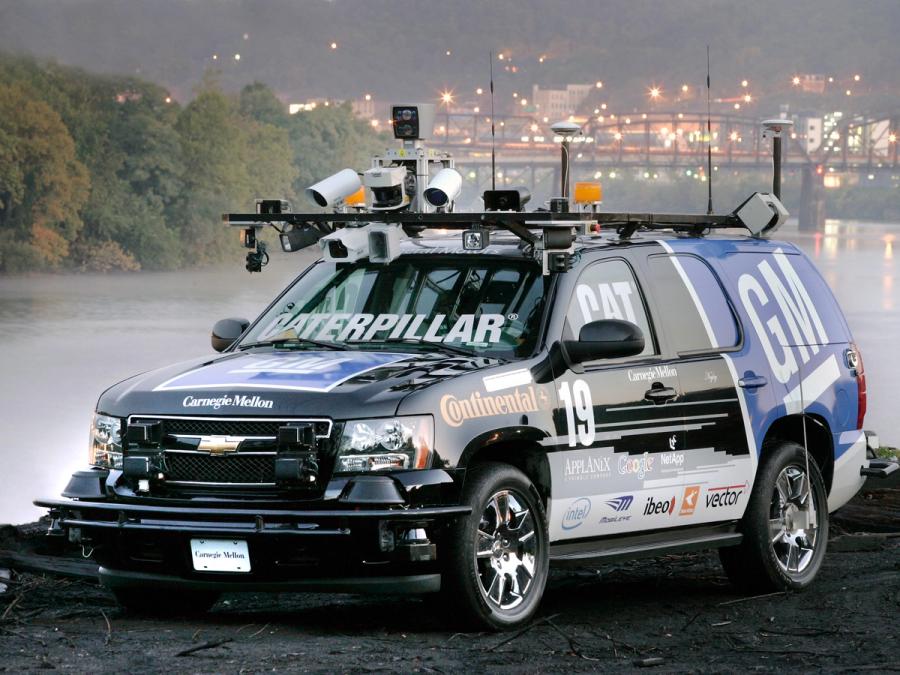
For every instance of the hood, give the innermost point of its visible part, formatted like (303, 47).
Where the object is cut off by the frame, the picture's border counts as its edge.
(270, 382)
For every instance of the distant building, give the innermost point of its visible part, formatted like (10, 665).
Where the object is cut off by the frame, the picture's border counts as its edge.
(812, 83)
(559, 103)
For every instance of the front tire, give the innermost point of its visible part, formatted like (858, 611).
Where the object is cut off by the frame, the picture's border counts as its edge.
(498, 561)
(785, 526)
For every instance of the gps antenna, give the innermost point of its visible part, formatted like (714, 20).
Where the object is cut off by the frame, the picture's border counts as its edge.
(493, 130)
(709, 205)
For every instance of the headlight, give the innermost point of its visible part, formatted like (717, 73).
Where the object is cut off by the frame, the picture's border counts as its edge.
(384, 444)
(106, 442)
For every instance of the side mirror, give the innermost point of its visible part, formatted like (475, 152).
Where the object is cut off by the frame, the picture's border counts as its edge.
(226, 331)
(606, 339)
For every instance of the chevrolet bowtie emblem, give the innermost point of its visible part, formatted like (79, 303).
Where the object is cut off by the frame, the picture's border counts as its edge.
(219, 445)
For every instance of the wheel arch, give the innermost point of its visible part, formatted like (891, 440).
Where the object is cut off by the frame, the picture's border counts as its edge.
(819, 438)
(517, 446)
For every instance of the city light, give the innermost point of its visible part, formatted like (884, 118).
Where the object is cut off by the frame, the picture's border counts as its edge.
(541, 58)
(334, 45)
(476, 109)
(523, 101)
(684, 88)
(448, 52)
(733, 136)
(617, 136)
(748, 98)
(368, 97)
(856, 78)
(848, 93)
(215, 57)
(237, 57)
(744, 84)
(447, 97)
(892, 138)
(795, 81)
(602, 106)
(479, 91)
(501, 56)
(655, 93)
(737, 106)
(374, 123)
(599, 84)
(168, 99)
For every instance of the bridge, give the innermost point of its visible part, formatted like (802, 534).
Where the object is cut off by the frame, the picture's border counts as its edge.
(528, 154)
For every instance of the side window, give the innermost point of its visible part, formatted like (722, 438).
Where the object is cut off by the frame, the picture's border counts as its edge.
(608, 290)
(679, 283)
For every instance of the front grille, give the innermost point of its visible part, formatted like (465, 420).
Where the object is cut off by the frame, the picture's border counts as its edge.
(227, 427)
(252, 464)
(202, 468)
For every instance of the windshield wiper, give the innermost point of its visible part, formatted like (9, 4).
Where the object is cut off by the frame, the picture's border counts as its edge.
(293, 340)
(409, 341)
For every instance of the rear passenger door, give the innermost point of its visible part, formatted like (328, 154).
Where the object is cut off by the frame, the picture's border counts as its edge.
(700, 326)
(618, 425)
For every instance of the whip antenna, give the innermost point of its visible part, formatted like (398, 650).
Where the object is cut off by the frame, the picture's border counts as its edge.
(493, 131)
(709, 205)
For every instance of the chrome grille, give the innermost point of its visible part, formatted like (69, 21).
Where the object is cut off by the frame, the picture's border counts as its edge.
(209, 426)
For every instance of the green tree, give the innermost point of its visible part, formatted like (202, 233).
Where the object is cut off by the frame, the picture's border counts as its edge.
(42, 184)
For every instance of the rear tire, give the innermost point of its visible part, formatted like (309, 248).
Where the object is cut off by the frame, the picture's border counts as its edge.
(785, 526)
(496, 568)
(160, 602)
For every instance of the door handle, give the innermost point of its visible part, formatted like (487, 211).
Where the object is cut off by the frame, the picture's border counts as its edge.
(752, 381)
(660, 394)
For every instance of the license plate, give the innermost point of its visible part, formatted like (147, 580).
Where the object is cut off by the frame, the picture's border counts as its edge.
(220, 555)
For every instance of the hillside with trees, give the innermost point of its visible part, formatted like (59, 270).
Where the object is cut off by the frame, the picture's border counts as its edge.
(106, 172)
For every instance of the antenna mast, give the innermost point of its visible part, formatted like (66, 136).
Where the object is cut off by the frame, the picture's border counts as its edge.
(493, 132)
(709, 204)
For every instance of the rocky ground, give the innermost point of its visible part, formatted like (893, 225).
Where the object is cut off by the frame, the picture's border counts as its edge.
(676, 613)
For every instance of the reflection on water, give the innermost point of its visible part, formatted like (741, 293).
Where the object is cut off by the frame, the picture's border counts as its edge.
(63, 339)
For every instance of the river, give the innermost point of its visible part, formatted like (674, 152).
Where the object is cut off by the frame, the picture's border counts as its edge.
(63, 339)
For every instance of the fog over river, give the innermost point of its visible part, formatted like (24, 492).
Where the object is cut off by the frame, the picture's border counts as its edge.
(64, 339)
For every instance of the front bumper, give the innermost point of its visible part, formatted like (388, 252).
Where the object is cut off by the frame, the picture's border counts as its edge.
(325, 545)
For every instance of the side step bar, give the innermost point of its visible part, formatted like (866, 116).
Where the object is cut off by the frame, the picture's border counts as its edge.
(646, 545)
(879, 468)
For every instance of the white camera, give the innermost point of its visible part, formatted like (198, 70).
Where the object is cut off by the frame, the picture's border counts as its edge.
(345, 245)
(444, 188)
(386, 184)
(336, 188)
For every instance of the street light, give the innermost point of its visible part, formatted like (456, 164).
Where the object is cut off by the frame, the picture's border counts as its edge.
(655, 92)
(447, 97)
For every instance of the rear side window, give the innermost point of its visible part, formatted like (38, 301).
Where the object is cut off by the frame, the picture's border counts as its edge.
(608, 290)
(696, 313)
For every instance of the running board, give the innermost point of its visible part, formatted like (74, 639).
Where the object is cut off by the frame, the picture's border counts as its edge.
(646, 545)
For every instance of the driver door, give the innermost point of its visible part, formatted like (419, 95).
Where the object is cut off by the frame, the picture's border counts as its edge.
(616, 462)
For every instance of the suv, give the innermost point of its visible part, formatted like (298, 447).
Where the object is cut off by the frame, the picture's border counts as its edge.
(457, 420)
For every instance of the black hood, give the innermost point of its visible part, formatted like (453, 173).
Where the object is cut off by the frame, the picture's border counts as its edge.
(274, 382)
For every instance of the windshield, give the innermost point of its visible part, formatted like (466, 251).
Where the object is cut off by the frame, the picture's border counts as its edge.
(486, 307)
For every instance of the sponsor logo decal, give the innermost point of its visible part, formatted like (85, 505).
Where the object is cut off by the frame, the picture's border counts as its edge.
(710, 377)
(689, 500)
(673, 441)
(672, 459)
(636, 466)
(620, 504)
(230, 401)
(309, 371)
(576, 514)
(586, 468)
(455, 410)
(655, 507)
(468, 328)
(724, 496)
(652, 373)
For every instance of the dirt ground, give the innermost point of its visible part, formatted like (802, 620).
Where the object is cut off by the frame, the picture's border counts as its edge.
(676, 613)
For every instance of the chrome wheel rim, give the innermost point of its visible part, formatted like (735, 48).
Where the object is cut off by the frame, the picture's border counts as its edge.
(506, 550)
(793, 521)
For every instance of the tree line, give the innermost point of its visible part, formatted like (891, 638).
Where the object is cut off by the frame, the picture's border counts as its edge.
(103, 173)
